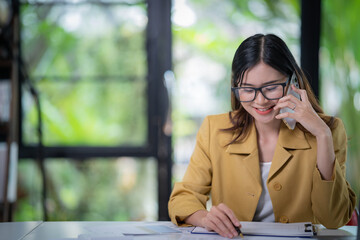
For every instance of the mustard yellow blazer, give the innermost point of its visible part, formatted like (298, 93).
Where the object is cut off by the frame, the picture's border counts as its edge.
(231, 175)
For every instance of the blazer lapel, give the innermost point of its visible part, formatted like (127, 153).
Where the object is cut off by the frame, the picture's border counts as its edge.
(281, 156)
(288, 140)
(248, 147)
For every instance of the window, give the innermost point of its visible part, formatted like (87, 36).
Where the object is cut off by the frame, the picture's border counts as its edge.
(339, 70)
(100, 77)
(92, 190)
(88, 62)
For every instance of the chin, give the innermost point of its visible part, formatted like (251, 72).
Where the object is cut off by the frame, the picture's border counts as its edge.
(265, 119)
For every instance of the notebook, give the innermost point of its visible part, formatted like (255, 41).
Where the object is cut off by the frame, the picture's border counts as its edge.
(302, 229)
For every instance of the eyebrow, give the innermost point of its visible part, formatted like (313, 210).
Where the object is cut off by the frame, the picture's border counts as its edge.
(267, 83)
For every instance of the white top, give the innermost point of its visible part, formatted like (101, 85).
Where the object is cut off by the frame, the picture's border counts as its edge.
(264, 210)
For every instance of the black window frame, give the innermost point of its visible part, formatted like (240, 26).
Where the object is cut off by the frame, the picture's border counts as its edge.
(159, 60)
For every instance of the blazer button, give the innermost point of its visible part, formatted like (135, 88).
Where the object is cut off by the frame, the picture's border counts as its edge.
(277, 186)
(284, 219)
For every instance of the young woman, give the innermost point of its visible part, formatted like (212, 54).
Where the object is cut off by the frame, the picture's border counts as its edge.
(252, 165)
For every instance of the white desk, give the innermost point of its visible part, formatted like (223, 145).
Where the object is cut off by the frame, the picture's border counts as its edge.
(16, 231)
(71, 231)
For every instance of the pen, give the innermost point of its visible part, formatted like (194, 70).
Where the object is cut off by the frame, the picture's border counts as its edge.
(239, 231)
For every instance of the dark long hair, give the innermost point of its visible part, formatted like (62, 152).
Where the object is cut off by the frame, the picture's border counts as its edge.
(271, 50)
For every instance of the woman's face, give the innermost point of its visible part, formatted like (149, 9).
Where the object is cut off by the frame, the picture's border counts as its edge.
(261, 108)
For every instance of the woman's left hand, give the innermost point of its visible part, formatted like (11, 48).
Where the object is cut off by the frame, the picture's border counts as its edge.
(303, 113)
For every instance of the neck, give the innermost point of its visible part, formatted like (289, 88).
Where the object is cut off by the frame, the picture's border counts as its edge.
(266, 130)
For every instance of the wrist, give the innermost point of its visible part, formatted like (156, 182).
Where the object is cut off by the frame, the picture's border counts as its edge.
(202, 219)
(323, 133)
(197, 218)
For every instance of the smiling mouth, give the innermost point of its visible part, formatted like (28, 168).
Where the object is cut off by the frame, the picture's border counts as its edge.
(264, 109)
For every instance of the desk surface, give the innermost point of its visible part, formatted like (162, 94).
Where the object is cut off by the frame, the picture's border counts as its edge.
(16, 231)
(71, 231)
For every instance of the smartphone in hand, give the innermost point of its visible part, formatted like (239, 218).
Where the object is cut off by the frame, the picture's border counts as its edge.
(290, 122)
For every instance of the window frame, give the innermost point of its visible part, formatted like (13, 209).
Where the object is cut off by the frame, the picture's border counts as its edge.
(159, 60)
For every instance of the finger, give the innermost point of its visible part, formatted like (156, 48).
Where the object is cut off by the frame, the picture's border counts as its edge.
(223, 213)
(285, 115)
(229, 225)
(219, 227)
(287, 104)
(230, 214)
(229, 219)
(290, 98)
(216, 216)
(212, 226)
(301, 92)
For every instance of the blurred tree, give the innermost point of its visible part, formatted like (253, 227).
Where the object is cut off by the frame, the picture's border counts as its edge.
(88, 62)
(340, 75)
(85, 75)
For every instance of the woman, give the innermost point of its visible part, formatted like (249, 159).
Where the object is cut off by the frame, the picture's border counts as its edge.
(253, 165)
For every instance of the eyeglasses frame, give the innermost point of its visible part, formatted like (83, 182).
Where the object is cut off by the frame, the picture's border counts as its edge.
(284, 84)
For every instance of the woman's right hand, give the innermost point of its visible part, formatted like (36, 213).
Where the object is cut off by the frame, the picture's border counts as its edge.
(222, 220)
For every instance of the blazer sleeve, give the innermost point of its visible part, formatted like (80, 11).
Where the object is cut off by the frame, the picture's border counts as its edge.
(334, 201)
(191, 194)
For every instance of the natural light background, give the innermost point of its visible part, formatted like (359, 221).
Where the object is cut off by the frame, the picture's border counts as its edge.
(340, 75)
(97, 95)
(88, 61)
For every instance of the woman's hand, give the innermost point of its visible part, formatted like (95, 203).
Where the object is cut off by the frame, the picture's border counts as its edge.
(222, 220)
(303, 113)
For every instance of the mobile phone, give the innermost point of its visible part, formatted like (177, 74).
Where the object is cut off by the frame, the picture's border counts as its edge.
(290, 122)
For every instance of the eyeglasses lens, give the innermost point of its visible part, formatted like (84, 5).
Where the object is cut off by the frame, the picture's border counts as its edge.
(271, 92)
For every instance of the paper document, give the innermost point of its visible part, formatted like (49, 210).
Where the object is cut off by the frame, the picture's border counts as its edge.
(302, 229)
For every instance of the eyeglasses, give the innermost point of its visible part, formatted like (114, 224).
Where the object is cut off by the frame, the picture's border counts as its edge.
(270, 92)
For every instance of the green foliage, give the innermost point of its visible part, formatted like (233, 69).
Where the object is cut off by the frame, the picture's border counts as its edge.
(340, 68)
(89, 81)
(93, 91)
(96, 189)
(90, 113)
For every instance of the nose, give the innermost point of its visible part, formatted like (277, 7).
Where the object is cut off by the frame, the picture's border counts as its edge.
(259, 98)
